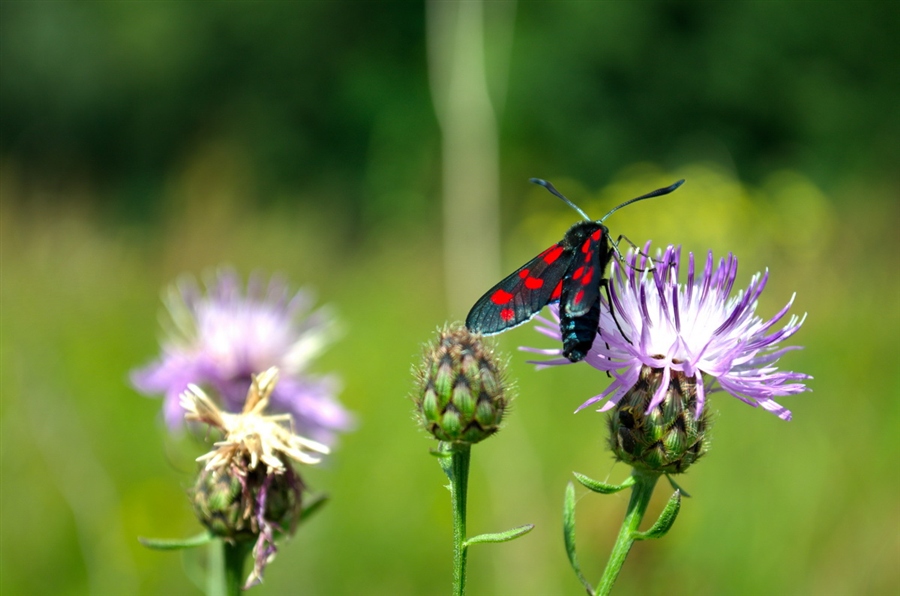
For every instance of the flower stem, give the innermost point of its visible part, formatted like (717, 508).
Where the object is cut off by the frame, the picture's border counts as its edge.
(235, 557)
(641, 492)
(459, 484)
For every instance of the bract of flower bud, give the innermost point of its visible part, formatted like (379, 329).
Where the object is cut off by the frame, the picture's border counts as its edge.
(460, 394)
(669, 437)
(227, 501)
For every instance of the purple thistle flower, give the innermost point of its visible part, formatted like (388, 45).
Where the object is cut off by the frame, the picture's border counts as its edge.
(219, 339)
(694, 329)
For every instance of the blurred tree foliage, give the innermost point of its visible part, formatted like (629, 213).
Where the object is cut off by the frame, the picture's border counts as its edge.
(332, 97)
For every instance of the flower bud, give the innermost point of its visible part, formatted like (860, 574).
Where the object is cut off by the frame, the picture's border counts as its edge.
(460, 395)
(227, 501)
(669, 438)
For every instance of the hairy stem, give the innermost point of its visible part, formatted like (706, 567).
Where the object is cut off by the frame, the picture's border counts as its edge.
(459, 484)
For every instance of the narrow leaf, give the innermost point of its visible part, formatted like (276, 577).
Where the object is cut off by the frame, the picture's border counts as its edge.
(501, 536)
(176, 543)
(444, 453)
(569, 536)
(313, 506)
(602, 487)
(665, 521)
(675, 485)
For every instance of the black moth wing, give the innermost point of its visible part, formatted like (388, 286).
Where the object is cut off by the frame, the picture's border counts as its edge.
(579, 309)
(590, 255)
(522, 294)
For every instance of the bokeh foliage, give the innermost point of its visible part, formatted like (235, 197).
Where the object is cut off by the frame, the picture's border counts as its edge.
(142, 140)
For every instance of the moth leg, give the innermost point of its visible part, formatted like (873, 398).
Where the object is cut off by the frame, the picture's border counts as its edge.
(633, 245)
(600, 329)
(621, 258)
(624, 261)
(605, 283)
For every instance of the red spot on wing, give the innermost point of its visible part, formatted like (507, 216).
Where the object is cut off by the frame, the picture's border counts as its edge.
(523, 273)
(597, 235)
(578, 273)
(588, 276)
(579, 296)
(501, 296)
(586, 247)
(533, 283)
(556, 291)
(552, 254)
(507, 314)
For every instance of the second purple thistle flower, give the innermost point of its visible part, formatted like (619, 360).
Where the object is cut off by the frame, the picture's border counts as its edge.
(695, 329)
(219, 338)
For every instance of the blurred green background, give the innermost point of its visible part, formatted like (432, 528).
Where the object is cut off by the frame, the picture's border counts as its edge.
(141, 140)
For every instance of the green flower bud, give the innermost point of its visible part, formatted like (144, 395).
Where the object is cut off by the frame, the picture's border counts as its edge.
(668, 439)
(460, 395)
(227, 502)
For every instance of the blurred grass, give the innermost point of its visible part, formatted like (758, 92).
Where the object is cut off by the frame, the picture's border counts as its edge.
(805, 507)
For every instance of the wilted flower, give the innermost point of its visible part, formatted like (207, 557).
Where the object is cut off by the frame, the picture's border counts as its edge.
(460, 394)
(250, 435)
(694, 331)
(219, 339)
(248, 489)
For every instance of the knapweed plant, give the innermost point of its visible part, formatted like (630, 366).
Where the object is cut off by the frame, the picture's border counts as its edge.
(250, 353)
(461, 395)
(670, 347)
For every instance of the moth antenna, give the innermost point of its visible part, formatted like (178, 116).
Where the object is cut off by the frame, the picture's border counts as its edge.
(656, 193)
(556, 193)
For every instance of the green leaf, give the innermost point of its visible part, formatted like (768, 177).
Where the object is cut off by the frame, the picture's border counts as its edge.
(675, 485)
(445, 458)
(602, 487)
(500, 536)
(313, 506)
(569, 536)
(176, 543)
(665, 521)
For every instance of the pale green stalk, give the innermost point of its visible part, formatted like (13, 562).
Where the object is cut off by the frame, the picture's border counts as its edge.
(641, 492)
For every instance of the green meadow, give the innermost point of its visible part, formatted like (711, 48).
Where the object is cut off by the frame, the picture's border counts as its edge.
(810, 506)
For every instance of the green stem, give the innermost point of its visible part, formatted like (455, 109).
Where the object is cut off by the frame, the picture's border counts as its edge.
(235, 557)
(637, 506)
(459, 483)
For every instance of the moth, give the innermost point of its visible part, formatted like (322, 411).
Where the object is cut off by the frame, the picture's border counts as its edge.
(572, 271)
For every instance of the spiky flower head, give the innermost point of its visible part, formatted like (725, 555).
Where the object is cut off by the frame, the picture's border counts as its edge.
(248, 489)
(218, 339)
(461, 388)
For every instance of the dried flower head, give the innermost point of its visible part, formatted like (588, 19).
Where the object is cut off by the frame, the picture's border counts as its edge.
(217, 340)
(248, 488)
(250, 436)
(695, 330)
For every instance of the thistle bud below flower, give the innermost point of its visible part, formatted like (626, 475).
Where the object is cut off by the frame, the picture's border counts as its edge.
(460, 397)
(669, 438)
(226, 501)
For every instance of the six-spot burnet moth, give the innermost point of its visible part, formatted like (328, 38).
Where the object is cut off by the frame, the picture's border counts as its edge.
(571, 272)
